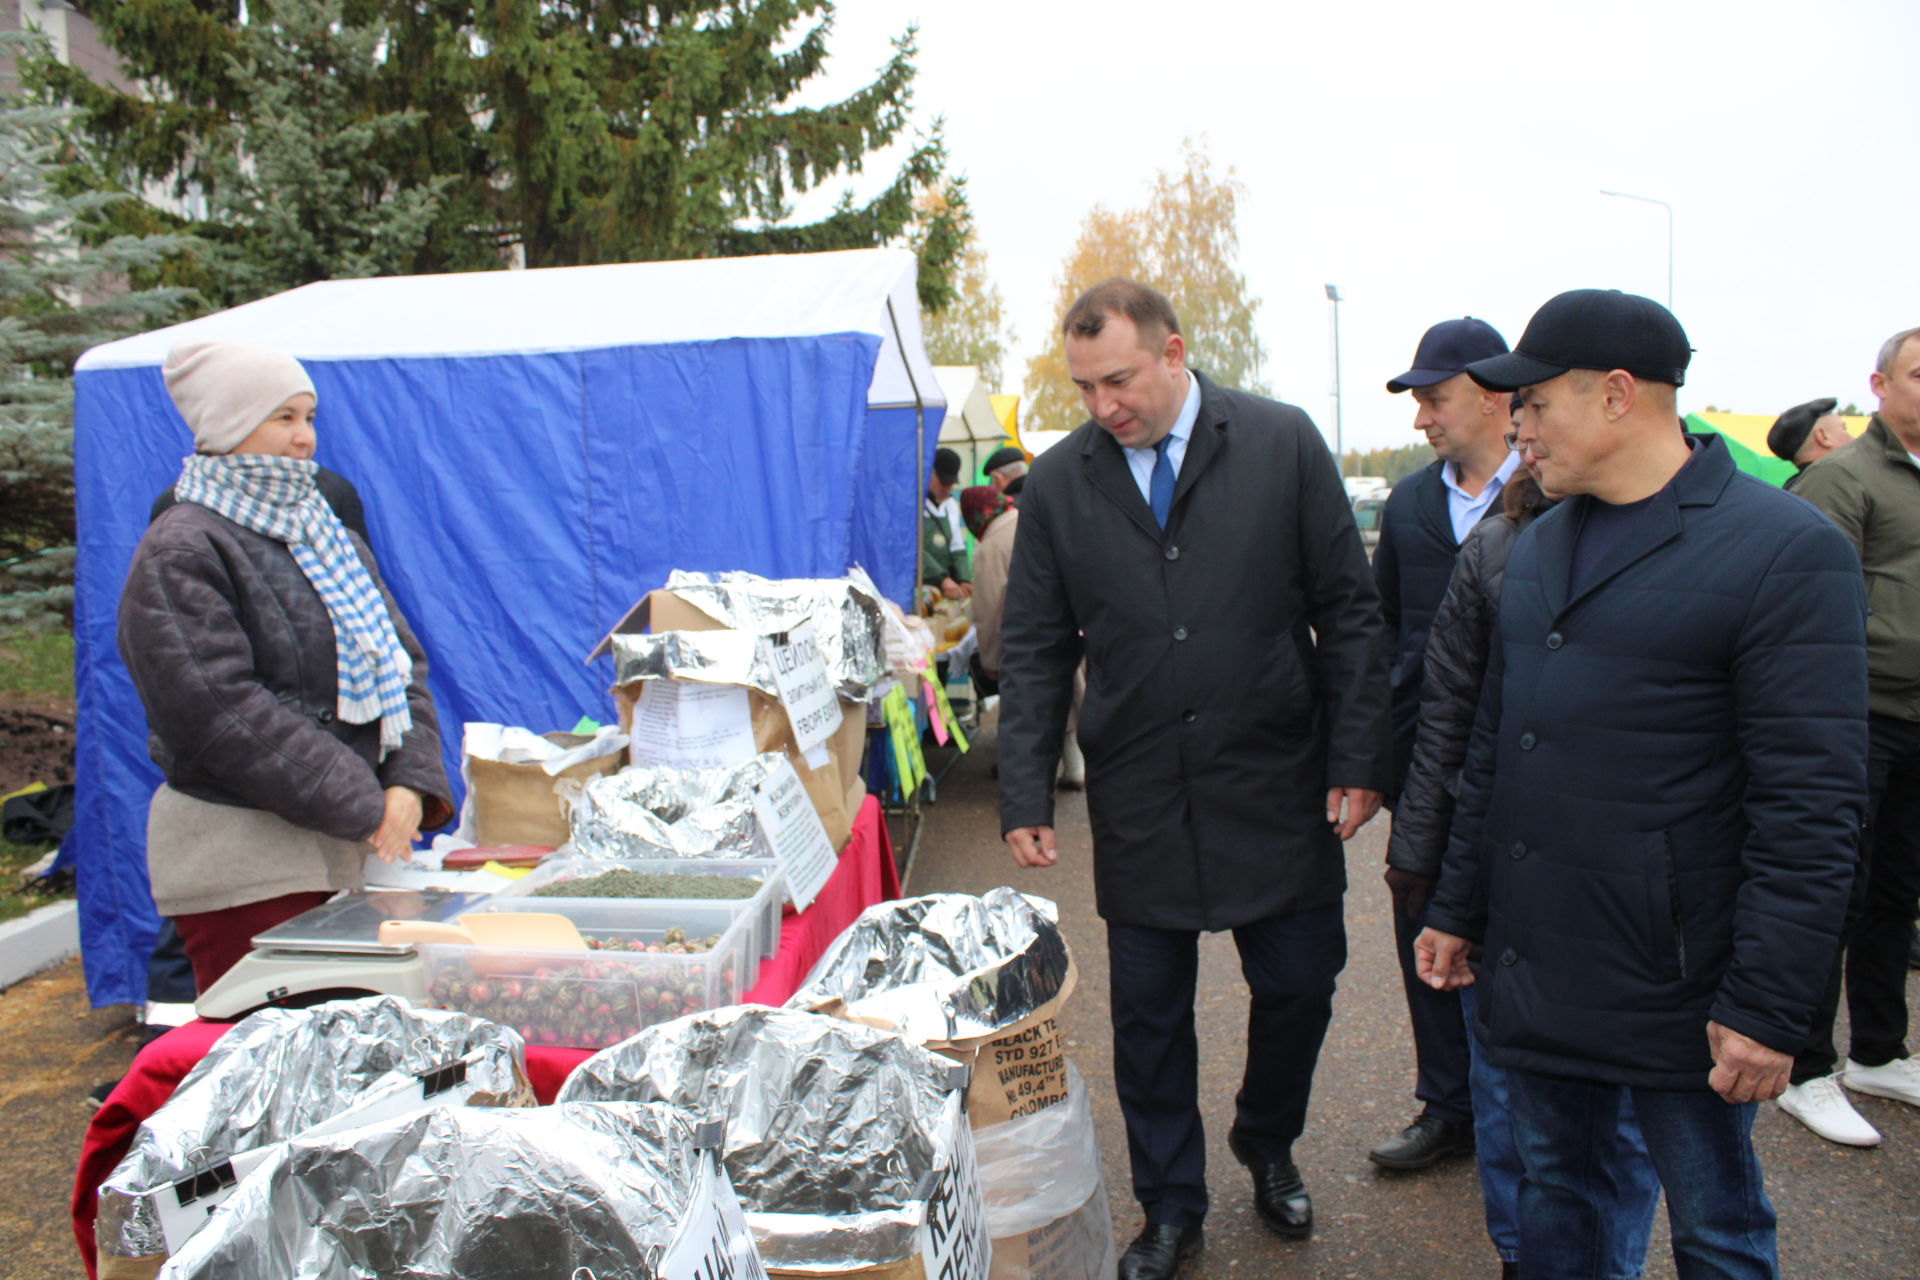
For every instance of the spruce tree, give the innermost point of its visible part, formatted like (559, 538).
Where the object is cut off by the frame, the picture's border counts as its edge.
(562, 132)
(62, 290)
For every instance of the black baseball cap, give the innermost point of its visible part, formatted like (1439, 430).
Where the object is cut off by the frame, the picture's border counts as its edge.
(1602, 329)
(1447, 349)
(1791, 429)
(946, 466)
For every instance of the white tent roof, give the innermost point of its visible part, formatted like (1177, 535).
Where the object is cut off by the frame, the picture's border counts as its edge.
(581, 309)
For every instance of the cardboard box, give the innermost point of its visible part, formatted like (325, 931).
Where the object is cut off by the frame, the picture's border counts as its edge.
(515, 803)
(836, 789)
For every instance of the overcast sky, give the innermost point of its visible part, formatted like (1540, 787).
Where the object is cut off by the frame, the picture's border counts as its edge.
(1441, 160)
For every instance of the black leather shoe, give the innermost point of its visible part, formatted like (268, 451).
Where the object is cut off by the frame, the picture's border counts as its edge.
(1157, 1252)
(1426, 1141)
(1279, 1196)
(1509, 1270)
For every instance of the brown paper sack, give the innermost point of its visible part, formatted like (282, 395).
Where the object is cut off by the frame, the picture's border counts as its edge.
(515, 803)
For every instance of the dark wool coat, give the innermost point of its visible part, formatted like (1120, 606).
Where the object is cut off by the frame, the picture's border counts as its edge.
(1455, 666)
(1660, 807)
(232, 653)
(1412, 566)
(1234, 666)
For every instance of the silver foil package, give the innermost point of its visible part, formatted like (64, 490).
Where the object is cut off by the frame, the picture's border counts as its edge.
(944, 967)
(463, 1193)
(661, 811)
(836, 1134)
(845, 613)
(282, 1071)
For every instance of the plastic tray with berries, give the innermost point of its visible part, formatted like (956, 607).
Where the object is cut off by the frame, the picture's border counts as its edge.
(763, 902)
(644, 963)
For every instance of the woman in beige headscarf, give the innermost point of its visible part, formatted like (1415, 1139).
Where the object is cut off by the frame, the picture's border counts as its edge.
(286, 699)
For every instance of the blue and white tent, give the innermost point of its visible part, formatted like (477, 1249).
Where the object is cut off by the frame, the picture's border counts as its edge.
(535, 449)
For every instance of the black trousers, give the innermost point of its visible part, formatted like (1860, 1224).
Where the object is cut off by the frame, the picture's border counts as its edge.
(1290, 963)
(1439, 1034)
(1879, 928)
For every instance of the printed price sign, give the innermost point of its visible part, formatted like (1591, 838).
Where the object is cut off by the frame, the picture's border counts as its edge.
(794, 830)
(692, 725)
(806, 690)
(954, 1241)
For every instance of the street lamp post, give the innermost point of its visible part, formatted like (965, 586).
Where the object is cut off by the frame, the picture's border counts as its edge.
(1339, 450)
(1628, 195)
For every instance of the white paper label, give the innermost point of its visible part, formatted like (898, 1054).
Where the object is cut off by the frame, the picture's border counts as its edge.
(954, 1241)
(795, 832)
(692, 725)
(184, 1207)
(806, 690)
(713, 1242)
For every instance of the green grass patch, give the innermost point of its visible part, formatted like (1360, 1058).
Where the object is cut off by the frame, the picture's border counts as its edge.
(16, 900)
(36, 662)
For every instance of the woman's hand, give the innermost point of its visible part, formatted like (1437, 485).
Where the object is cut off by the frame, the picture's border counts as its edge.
(394, 839)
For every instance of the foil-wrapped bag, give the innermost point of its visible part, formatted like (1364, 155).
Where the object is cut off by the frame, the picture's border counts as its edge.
(845, 613)
(466, 1193)
(280, 1072)
(943, 968)
(845, 1142)
(660, 811)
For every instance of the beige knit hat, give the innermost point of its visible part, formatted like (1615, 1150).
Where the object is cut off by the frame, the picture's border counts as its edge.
(226, 389)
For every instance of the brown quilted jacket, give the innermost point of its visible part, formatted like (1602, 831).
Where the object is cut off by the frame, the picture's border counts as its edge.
(232, 653)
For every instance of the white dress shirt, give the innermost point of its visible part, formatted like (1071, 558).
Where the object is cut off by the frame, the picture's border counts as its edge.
(1140, 461)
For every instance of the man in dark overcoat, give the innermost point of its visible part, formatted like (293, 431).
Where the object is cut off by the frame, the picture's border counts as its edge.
(1195, 546)
(1427, 516)
(1656, 827)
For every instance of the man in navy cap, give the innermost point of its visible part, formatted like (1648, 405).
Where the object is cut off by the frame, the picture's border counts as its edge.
(1426, 518)
(1807, 433)
(1658, 814)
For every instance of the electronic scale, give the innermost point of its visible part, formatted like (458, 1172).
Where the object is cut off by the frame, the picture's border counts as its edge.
(335, 947)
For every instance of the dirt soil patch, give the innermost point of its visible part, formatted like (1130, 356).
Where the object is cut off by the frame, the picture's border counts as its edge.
(36, 742)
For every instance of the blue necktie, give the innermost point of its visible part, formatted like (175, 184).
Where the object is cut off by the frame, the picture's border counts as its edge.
(1160, 487)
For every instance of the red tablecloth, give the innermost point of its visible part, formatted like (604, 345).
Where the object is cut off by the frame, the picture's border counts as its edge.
(865, 875)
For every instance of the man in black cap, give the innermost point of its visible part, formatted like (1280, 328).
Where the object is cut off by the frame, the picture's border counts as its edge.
(1426, 518)
(943, 548)
(1657, 817)
(1006, 470)
(1807, 433)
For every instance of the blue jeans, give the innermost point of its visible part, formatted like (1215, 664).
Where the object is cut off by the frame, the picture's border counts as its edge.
(1627, 1220)
(1722, 1221)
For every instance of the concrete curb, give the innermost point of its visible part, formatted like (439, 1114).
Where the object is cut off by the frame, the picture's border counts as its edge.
(38, 940)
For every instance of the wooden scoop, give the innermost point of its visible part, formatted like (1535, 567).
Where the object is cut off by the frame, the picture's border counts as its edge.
(511, 930)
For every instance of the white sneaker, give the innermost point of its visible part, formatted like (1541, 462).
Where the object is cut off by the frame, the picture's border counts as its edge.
(1820, 1105)
(1899, 1080)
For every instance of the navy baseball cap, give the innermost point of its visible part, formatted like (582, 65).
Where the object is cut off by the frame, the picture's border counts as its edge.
(1601, 329)
(1448, 348)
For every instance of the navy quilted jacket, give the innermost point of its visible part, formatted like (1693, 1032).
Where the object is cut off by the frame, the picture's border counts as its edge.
(1659, 813)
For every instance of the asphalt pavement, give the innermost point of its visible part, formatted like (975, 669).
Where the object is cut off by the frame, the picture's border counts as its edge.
(1844, 1213)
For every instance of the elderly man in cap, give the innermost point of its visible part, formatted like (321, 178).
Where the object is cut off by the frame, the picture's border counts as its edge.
(1427, 517)
(943, 540)
(1871, 490)
(1805, 434)
(1006, 470)
(1655, 835)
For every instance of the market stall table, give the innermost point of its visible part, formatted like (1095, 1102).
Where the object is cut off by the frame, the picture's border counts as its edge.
(865, 875)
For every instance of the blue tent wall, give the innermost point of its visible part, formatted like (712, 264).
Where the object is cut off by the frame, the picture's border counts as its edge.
(518, 504)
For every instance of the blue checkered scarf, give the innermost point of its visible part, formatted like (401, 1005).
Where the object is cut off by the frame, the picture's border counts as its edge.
(278, 498)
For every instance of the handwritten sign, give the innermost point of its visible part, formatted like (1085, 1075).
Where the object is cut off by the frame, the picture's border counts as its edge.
(692, 725)
(806, 690)
(713, 1242)
(793, 829)
(954, 1240)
